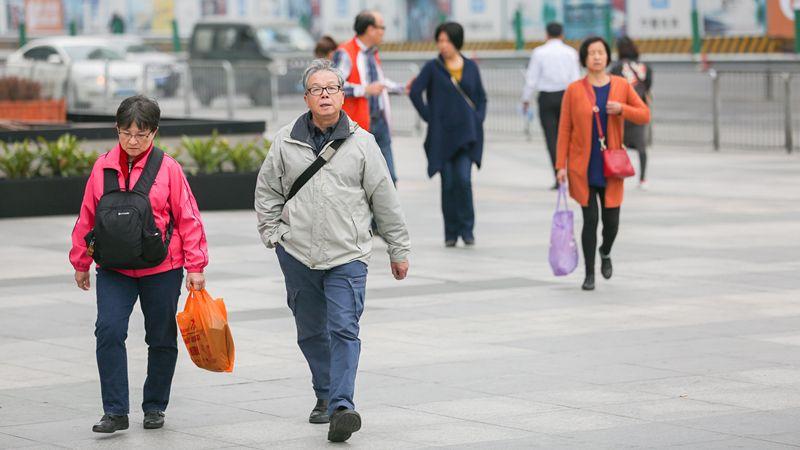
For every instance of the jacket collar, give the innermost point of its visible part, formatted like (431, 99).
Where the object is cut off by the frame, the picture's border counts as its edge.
(111, 159)
(301, 129)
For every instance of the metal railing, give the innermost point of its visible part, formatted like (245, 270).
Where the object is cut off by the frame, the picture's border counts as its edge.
(719, 109)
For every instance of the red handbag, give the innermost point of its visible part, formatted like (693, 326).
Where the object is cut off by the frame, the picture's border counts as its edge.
(616, 163)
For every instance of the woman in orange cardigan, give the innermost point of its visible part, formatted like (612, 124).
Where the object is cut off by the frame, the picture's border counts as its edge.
(580, 158)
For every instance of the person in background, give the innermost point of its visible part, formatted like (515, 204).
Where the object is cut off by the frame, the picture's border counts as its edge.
(325, 48)
(580, 158)
(366, 88)
(552, 67)
(322, 237)
(176, 216)
(640, 76)
(454, 108)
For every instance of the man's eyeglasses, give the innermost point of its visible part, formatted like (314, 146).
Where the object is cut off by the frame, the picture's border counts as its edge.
(330, 90)
(380, 27)
(127, 136)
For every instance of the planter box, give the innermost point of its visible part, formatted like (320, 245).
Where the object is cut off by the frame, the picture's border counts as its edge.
(53, 111)
(224, 190)
(56, 196)
(41, 196)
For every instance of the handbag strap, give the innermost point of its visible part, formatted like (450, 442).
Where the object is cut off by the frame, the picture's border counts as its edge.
(458, 87)
(324, 156)
(596, 111)
(562, 194)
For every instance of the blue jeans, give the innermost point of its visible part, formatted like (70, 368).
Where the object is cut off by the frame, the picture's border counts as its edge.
(457, 207)
(116, 295)
(327, 305)
(380, 129)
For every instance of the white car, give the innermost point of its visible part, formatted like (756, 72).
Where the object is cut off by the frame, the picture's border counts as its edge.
(90, 72)
(163, 69)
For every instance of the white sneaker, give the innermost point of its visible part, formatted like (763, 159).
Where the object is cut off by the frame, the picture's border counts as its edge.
(643, 185)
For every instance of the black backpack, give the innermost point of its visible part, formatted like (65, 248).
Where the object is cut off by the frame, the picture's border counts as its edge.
(125, 235)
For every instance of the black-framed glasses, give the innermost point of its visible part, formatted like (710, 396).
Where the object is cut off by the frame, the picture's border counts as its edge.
(330, 90)
(380, 27)
(127, 136)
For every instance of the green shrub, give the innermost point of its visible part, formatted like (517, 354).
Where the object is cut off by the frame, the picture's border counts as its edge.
(207, 154)
(64, 157)
(18, 160)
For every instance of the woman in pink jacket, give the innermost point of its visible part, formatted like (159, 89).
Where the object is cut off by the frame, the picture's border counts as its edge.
(143, 248)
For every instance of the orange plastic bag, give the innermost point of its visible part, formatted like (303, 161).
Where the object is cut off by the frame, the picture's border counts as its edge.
(205, 330)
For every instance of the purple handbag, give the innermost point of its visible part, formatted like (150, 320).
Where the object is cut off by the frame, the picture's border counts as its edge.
(563, 249)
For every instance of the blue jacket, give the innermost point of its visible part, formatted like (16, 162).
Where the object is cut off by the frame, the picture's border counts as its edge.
(452, 123)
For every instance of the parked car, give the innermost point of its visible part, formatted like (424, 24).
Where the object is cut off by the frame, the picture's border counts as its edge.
(77, 67)
(250, 46)
(163, 69)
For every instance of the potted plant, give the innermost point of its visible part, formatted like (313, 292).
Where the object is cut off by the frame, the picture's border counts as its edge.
(21, 100)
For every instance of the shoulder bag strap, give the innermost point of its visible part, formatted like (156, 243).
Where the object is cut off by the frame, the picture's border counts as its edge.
(149, 173)
(110, 181)
(324, 156)
(458, 87)
(596, 112)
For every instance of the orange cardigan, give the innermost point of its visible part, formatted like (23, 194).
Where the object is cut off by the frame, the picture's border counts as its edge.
(575, 135)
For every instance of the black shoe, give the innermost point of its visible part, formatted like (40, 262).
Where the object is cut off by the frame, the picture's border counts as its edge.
(320, 412)
(469, 241)
(110, 423)
(605, 266)
(344, 422)
(450, 243)
(588, 282)
(153, 420)
(554, 187)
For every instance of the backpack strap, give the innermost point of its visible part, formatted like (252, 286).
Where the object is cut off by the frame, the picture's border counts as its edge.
(110, 181)
(324, 156)
(148, 176)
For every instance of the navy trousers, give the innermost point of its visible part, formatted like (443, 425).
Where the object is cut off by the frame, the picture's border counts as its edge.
(380, 129)
(116, 295)
(327, 305)
(457, 206)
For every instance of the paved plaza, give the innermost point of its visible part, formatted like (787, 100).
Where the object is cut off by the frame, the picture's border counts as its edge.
(694, 343)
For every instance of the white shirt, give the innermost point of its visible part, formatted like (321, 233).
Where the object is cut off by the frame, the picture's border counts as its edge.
(553, 66)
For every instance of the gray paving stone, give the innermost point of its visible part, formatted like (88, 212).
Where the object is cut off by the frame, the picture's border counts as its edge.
(693, 343)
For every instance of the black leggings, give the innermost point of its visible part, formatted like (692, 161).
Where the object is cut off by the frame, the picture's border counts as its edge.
(610, 218)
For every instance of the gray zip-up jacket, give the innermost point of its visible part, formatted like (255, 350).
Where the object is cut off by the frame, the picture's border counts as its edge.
(327, 223)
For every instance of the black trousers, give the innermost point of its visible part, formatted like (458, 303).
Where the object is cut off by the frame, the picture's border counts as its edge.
(610, 218)
(549, 114)
(636, 137)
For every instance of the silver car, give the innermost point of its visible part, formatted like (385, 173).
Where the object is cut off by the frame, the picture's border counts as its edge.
(89, 72)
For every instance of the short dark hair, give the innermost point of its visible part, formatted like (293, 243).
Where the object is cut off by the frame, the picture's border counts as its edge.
(454, 32)
(325, 45)
(141, 110)
(363, 21)
(626, 49)
(554, 29)
(584, 50)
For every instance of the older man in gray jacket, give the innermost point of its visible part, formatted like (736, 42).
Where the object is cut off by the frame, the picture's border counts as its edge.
(323, 239)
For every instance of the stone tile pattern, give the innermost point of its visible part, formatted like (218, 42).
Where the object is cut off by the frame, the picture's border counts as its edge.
(693, 344)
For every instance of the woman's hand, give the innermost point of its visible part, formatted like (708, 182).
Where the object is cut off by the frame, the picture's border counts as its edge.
(561, 176)
(614, 108)
(82, 278)
(195, 281)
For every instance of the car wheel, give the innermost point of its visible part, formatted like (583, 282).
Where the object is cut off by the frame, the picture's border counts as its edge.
(261, 95)
(205, 97)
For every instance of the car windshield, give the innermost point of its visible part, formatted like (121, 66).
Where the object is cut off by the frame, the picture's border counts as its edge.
(86, 52)
(285, 39)
(141, 48)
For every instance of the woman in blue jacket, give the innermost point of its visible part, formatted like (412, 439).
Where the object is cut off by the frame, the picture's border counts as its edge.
(454, 108)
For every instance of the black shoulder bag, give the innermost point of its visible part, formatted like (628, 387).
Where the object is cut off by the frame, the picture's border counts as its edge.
(324, 156)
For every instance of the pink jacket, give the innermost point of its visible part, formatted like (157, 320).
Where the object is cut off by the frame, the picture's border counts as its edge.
(170, 192)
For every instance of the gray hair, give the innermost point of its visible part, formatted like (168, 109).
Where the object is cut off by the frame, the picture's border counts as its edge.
(321, 65)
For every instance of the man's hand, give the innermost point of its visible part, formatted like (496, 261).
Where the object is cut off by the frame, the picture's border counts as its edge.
(399, 269)
(373, 89)
(82, 278)
(195, 281)
(408, 85)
